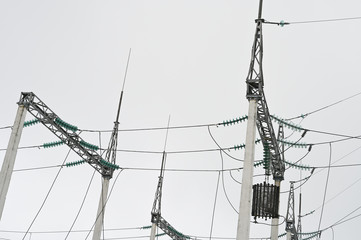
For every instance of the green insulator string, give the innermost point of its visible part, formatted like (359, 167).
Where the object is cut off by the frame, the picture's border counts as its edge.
(312, 237)
(66, 125)
(241, 146)
(72, 164)
(235, 121)
(287, 124)
(294, 144)
(258, 163)
(108, 164)
(266, 159)
(292, 165)
(160, 234)
(145, 227)
(282, 235)
(88, 145)
(31, 122)
(53, 144)
(298, 166)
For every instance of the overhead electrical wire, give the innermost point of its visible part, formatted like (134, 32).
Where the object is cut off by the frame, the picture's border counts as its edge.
(46, 197)
(341, 221)
(326, 20)
(224, 188)
(326, 185)
(222, 149)
(81, 206)
(322, 108)
(105, 203)
(341, 158)
(346, 137)
(214, 206)
(338, 194)
(230, 173)
(73, 231)
(140, 169)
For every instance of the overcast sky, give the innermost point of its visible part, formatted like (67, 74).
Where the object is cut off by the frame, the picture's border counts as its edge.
(189, 60)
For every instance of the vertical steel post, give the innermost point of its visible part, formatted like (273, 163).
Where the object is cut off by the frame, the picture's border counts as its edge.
(244, 216)
(10, 155)
(101, 209)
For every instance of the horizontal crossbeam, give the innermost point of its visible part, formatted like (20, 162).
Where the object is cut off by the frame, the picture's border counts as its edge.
(68, 135)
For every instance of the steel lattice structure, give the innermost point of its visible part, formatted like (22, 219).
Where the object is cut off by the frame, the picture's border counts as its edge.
(255, 85)
(157, 218)
(290, 217)
(70, 137)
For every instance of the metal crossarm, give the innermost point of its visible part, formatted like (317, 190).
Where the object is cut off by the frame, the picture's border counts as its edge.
(255, 91)
(167, 228)
(68, 135)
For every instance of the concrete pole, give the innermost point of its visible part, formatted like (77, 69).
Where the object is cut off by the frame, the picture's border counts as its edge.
(288, 236)
(275, 221)
(101, 209)
(10, 155)
(244, 217)
(152, 232)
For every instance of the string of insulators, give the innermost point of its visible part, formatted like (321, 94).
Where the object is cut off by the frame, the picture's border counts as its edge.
(308, 213)
(282, 235)
(89, 145)
(178, 233)
(258, 163)
(266, 158)
(294, 144)
(108, 164)
(146, 227)
(31, 122)
(311, 237)
(66, 125)
(287, 124)
(160, 234)
(72, 164)
(235, 121)
(309, 233)
(298, 166)
(293, 165)
(241, 146)
(53, 144)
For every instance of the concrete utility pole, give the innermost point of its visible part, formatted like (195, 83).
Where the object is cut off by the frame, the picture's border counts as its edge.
(101, 209)
(253, 85)
(258, 115)
(110, 157)
(244, 217)
(10, 155)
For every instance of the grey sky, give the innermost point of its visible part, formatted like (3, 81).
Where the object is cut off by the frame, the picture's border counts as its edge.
(190, 60)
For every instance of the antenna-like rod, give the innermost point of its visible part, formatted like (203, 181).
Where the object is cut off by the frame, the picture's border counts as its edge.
(166, 136)
(260, 9)
(110, 155)
(121, 94)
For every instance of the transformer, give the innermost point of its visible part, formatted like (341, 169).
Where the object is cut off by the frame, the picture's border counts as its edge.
(265, 201)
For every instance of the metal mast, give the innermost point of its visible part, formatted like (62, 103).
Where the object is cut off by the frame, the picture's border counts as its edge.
(290, 217)
(157, 219)
(110, 157)
(281, 147)
(299, 226)
(258, 115)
